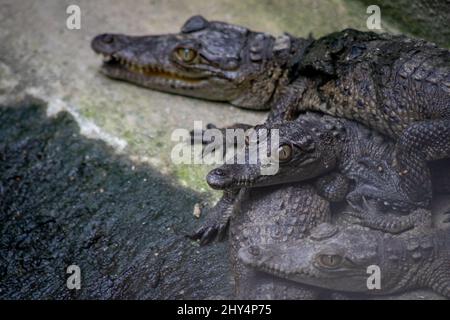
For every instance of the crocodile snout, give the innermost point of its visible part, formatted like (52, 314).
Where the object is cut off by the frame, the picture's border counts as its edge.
(218, 179)
(107, 43)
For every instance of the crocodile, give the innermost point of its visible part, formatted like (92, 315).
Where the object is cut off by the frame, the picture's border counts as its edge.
(335, 153)
(210, 60)
(391, 83)
(337, 257)
(299, 209)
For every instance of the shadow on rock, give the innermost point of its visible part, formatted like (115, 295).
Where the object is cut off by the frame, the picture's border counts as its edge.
(66, 199)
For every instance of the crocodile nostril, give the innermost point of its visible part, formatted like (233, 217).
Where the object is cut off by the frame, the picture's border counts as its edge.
(108, 39)
(254, 250)
(218, 172)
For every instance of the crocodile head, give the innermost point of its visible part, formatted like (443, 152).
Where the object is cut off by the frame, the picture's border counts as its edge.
(331, 257)
(207, 59)
(307, 148)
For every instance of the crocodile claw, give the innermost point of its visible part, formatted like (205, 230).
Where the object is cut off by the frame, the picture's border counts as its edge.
(358, 200)
(205, 234)
(364, 210)
(214, 228)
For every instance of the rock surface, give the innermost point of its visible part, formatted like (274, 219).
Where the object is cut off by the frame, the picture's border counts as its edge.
(66, 199)
(427, 19)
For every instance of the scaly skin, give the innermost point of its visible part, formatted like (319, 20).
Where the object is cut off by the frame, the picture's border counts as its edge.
(393, 84)
(207, 59)
(337, 152)
(337, 257)
(389, 83)
(311, 158)
(298, 210)
(396, 85)
(388, 222)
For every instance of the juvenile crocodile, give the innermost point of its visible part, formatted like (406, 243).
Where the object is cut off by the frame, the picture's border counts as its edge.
(338, 257)
(336, 152)
(393, 84)
(207, 59)
(298, 210)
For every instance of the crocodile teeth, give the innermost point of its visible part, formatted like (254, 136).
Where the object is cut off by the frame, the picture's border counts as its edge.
(106, 57)
(137, 71)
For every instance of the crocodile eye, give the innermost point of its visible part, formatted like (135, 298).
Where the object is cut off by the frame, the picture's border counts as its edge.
(330, 260)
(186, 54)
(284, 153)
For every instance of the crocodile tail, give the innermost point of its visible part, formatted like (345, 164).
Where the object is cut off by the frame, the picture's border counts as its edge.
(439, 277)
(442, 284)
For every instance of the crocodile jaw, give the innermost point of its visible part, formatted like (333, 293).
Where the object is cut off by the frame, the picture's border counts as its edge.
(301, 260)
(150, 76)
(149, 61)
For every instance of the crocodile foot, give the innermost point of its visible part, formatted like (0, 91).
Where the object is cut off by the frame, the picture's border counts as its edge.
(378, 200)
(377, 180)
(215, 227)
(333, 186)
(369, 216)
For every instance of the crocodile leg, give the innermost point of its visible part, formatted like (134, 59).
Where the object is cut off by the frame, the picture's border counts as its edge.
(407, 183)
(285, 104)
(217, 221)
(421, 142)
(390, 223)
(333, 186)
(442, 284)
